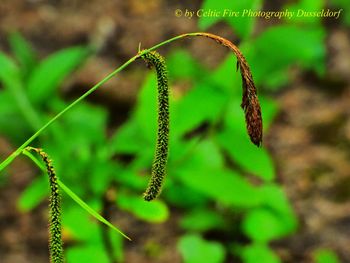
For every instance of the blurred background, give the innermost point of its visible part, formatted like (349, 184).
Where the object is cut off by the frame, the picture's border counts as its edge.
(224, 200)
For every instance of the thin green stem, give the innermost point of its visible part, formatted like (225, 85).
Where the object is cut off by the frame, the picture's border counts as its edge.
(27, 153)
(87, 208)
(11, 157)
(19, 150)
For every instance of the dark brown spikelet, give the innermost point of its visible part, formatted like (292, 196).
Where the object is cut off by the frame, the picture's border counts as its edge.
(250, 102)
(153, 59)
(55, 228)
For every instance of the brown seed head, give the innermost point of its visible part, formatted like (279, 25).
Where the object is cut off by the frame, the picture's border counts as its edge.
(250, 102)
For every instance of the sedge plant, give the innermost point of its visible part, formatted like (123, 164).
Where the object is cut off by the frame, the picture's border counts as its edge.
(250, 105)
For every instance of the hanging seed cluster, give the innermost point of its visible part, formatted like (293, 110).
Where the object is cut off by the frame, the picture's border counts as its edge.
(250, 105)
(153, 59)
(250, 102)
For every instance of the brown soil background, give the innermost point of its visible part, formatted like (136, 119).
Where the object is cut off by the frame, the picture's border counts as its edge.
(309, 139)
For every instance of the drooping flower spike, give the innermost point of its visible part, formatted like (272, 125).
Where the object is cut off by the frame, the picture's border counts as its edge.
(153, 59)
(55, 227)
(250, 102)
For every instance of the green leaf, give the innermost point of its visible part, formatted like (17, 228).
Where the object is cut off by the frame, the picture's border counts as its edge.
(80, 136)
(88, 209)
(35, 193)
(344, 15)
(50, 73)
(307, 6)
(274, 219)
(192, 110)
(146, 109)
(242, 25)
(154, 212)
(271, 69)
(263, 225)
(85, 124)
(203, 171)
(270, 109)
(131, 179)
(275, 198)
(263, 253)
(83, 230)
(87, 253)
(117, 247)
(206, 155)
(253, 159)
(181, 65)
(11, 78)
(324, 255)
(194, 249)
(184, 197)
(78, 200)
(227, 78)
(11, 121)
(128, 138)
(202, 103)
(234, 139)
(23, 52)
(86, 233)
(8, 69)
(187, 113)
(100, 176)
(92, 248)
(202, 220)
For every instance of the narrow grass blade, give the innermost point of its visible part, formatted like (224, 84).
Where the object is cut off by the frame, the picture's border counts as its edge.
(88, 209)
(34, 159)
(76, 198)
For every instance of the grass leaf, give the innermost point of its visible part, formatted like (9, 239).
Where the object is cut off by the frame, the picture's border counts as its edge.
(263, 253)
(195, 249)
(76, 198)
(324, 255)
(88, 209)
(49, 74)
(23, 52)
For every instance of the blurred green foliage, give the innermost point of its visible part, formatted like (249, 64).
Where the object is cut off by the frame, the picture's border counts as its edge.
(197, 250)
(243, 27)
(325, 256)
(271, 53)
(29, 98)
(343, 4)
(210, 156)
(218, 181)
(258, 253)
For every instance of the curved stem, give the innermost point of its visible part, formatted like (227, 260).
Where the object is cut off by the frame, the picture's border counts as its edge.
(11, 157)
(246, 77)
(17, 152)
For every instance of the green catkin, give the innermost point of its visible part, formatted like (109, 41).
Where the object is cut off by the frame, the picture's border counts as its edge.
(55, 228)
(153, 59)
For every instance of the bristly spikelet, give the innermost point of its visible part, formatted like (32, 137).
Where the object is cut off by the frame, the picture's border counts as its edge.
(153, 59)
(55, 228)
(250, 102)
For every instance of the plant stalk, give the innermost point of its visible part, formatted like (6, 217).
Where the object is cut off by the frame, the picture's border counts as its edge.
(19, 150)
